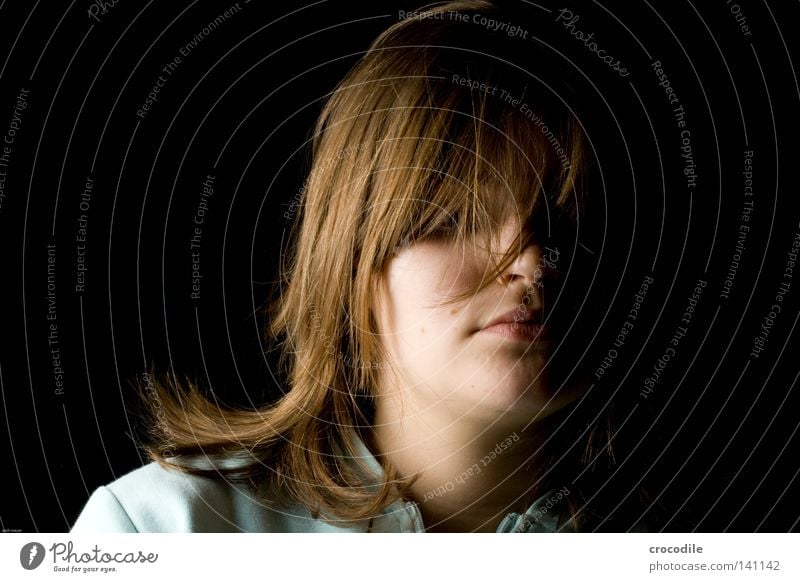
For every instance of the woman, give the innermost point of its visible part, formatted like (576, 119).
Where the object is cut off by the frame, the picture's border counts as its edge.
(421, 317)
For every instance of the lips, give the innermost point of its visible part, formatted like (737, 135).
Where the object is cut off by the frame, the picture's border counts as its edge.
(518, 316)
(523, 325)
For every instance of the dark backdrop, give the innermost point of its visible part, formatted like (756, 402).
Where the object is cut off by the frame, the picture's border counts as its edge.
(98, 282)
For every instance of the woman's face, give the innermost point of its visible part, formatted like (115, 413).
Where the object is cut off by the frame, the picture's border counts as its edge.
(453, 355)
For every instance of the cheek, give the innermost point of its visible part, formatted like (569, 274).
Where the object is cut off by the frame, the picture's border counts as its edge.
(457, 278)
(443, 271)
(417, 282)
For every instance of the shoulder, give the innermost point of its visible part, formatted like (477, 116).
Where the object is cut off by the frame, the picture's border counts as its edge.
(153, 498)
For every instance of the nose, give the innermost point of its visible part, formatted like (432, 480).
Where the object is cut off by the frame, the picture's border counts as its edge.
(525, 270)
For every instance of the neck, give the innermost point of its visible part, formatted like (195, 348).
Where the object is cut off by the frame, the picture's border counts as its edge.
(471, 473)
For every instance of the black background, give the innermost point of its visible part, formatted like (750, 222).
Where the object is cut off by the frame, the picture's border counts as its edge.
(722, 451)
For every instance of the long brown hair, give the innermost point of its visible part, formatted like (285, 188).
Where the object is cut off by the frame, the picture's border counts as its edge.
(426, 136)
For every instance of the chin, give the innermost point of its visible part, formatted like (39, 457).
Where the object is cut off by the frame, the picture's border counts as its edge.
(524, 392)
(514, 393)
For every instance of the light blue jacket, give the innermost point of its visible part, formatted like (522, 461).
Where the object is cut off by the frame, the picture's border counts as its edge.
(154, 499)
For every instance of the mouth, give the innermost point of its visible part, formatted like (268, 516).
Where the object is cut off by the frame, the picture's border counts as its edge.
(521, 325)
